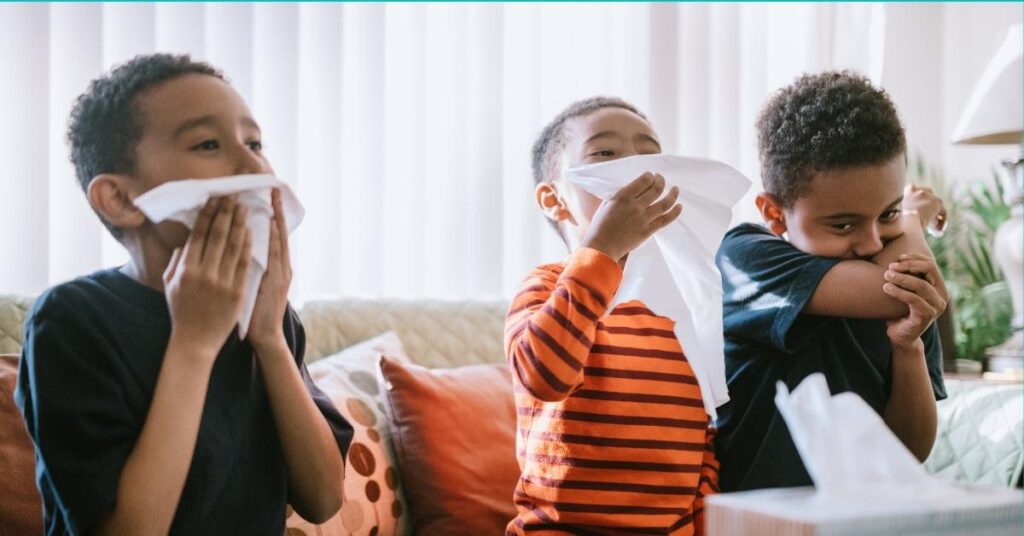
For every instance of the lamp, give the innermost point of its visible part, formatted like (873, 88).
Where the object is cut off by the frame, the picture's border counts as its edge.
(993, 116)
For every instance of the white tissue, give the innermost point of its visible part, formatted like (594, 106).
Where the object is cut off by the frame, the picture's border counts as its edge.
(845, 446)
(675, 274)
(181, 201)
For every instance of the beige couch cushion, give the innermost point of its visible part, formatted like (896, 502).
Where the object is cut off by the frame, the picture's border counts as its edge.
(435, 333)
(12, 315)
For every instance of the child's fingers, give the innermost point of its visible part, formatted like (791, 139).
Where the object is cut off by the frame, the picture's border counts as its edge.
(926, 268)
(242, 264)
(172, 267)
(282, 227)
(916, 285)
(274, 256)
(218, 237)
(664, 204)
(916, 256)
(665, 219)
(197, 240)
(653, 191)
(635, 188)
(235, 243)
(918, 305)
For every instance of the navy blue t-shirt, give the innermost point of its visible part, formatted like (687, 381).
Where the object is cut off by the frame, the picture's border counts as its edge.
(92, 354)
(766, 283)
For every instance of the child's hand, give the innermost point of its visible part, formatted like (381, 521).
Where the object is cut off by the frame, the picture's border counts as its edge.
(927, 206)
(267, 325)
(205, 282)
(630, 217)
(914, 280)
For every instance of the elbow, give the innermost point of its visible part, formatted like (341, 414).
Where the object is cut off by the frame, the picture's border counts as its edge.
(923, 449)
(542, 387)
(922, 452)
(321, 509)
(546, 394)
(321, 502)
(539, 388)
(543, 376)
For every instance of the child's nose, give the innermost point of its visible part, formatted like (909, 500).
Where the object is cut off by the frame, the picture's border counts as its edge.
(248, 162)
(869, 243)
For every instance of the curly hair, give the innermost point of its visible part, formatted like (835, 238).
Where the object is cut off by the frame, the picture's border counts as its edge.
(821, 122)
(105, 125)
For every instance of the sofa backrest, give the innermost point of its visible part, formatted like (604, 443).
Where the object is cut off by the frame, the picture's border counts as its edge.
(435, 333)
(12, 316)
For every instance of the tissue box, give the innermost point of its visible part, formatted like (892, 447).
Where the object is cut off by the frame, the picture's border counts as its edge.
(947, 508)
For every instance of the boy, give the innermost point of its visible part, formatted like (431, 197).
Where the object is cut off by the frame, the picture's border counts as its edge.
(850, 292)
(613, 435)
(148, 414)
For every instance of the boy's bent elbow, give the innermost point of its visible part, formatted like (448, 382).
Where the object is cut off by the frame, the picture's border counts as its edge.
(543, 394)
(537, 380)
(922, 447)
(539, 387)
(321, 509)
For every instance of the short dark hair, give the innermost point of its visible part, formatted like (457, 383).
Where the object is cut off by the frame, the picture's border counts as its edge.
(551, 141)
(831, 120)
(105, 125)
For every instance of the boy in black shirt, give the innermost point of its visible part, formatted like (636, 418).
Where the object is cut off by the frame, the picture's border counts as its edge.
(852, 290)
(148, 413)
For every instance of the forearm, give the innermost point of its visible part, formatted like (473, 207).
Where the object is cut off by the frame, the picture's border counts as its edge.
(911, 241)
(154, 474)
(911, 412)
(551, 324)
(853, 288)
(312, 457)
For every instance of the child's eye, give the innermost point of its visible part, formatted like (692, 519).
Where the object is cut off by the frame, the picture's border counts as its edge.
(890, 215)
(603, 153)
(256, 146)
(842, 227)
(208, 145)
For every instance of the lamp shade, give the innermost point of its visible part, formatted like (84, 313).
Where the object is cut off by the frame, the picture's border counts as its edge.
(993, 114)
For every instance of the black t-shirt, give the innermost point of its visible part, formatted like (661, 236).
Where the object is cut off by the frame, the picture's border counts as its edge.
(766, 283)
(90, 362)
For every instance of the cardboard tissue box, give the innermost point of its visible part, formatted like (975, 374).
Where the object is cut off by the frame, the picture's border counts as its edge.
(866, 482)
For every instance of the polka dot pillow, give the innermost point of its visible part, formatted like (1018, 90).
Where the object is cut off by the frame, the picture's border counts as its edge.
(374, 502)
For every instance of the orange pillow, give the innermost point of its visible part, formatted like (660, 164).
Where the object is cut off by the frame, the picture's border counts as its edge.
(454, 434)
(21, 509)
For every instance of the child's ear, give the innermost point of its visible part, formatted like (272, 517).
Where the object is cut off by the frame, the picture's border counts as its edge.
(771, 212)
(551, 203)
(108, 196)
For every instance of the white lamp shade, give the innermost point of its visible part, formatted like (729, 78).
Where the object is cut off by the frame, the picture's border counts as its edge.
(993, 114)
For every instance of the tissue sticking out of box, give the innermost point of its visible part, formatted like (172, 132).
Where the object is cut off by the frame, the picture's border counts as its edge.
(845, 446)
(868, 483)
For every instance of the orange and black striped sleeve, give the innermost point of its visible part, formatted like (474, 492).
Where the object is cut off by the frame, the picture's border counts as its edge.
(551, 322)
(708, 484)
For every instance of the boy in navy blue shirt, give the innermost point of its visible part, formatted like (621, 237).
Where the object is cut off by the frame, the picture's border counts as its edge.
(839, 281)
(148, 413)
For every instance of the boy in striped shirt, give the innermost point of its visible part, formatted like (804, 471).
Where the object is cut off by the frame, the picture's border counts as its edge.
(613, 434)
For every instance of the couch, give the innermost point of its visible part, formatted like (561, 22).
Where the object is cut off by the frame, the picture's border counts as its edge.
(980, 429)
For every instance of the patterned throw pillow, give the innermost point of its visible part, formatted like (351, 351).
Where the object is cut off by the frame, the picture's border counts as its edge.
(375, 504)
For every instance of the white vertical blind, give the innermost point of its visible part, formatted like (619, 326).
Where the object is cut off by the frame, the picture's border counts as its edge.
(404, 128)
